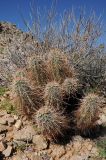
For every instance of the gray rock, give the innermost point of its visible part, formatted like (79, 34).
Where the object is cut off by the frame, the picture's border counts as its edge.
(7, 152)
(40, 142)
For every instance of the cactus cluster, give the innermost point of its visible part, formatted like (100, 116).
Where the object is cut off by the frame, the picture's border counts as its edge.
(42, 91)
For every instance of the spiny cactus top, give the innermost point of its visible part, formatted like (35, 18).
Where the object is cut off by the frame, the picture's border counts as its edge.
(53, 94)
(38, 70)
(59, 65)
(70, 86)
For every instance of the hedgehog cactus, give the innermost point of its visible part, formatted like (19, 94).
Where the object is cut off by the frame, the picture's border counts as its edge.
(51, 122)
(52, 80)
(38, 70)
(59, 66)
(26, 99)
(53, 94)
(70, 86)
(88, 113)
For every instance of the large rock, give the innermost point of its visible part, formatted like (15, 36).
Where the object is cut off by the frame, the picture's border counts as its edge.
(40, 142)
(26, 134)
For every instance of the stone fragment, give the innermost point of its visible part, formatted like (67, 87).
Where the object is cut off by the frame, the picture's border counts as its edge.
(2, 113)
(40, 142)
(77, 146)
(7, 152)
(9, 136)
(3, 121)
(3, 128)
(15, 117)
(2, 147)
(58, 151)
(2, 136)
(18, 124)
(11, 121)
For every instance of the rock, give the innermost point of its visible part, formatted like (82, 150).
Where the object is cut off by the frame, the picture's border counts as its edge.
(6, 95)
(67, 156)
(94, 151)
(3, 121)
(15, 117)
(2, 147)
(2, 113)
(10, 128)
(103, 119)
(18, 124)
(40, 142)
(69, 146)
(77, 157)
(26, 134)
(7, 152)
(78, 138)
(9, 136)
(58, 151)
(89, 147)
(23, 156)
(19, 143)
(43, 155)
(77, 146)
(3, 128)
(11, 121)
(2, 136)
